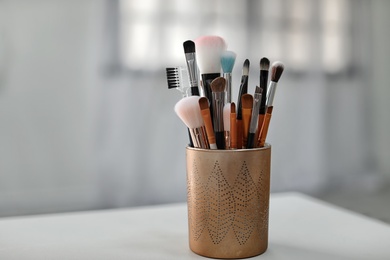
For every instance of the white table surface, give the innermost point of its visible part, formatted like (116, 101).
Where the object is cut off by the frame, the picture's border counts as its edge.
(300, 228)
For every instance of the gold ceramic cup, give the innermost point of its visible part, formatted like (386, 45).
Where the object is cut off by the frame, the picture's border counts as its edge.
(228, 201)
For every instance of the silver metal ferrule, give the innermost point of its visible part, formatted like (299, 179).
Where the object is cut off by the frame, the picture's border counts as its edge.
(271, 93)
(255, 112)
(218, 104)
(199, 137)
(192, 69)
(184, 86)
(228, 78)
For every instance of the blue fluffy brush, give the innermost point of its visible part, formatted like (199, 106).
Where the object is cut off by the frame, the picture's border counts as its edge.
(228, 59)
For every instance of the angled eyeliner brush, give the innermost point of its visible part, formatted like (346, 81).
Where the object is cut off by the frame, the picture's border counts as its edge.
(189, 50)
(243, 90)
(255, 114)
(264, 68)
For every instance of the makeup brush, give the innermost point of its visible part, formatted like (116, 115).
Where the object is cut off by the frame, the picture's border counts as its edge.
(228, 59)
(208, 57)
(218, 100)
(189, 50)
(247, 104)
(188, 111)
(254, 117)
(277, 69)
(226, 124)
(233, 126)
(205, 111)
(264, 67)
(177, 78)
(243, 90)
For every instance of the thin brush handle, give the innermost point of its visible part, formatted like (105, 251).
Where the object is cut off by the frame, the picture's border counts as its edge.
(263, 86)
(233, 131)
(239, 133)
(243, 90)
(209, 127)
(260, 125)
(218, 104)
(191, 144)
(198, 136)
(220, 138)
(251, 140)
(266, 126)
(246, 120)
(254, 120)
(227, 139)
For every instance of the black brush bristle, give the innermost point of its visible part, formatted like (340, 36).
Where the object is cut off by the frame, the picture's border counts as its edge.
(277, 70)
(264, 64)
(245, 68)
(189, 46)
(173, 79)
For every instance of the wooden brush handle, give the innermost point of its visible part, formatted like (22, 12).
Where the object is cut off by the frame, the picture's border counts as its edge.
(260, 123)
(206, 115)
(246, 120)
(267, 120)
(233, 132)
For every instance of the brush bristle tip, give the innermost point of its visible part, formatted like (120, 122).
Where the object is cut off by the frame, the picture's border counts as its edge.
(277, 70)
(264, 63)
(245, 68)
(189, 46)
(208, 53)
(218, 84)
(228, 59)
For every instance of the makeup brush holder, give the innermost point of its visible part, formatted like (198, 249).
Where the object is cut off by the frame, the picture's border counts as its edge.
(228, 201)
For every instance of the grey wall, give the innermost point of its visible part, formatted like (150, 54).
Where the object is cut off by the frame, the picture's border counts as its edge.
(73, 137)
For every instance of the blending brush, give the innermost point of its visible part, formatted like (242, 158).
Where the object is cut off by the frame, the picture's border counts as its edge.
(226, 124)
(228, 59)
(277, 69)
(233, 126)
(176, 78)
(205, 111)
(189, 51)
(264, 67)
(188, 111)
(247, 105)
(218, 93)
(208, 57)
(254, 118)
(243, 90)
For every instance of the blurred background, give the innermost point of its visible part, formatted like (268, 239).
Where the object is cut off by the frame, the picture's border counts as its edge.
(87, 120)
